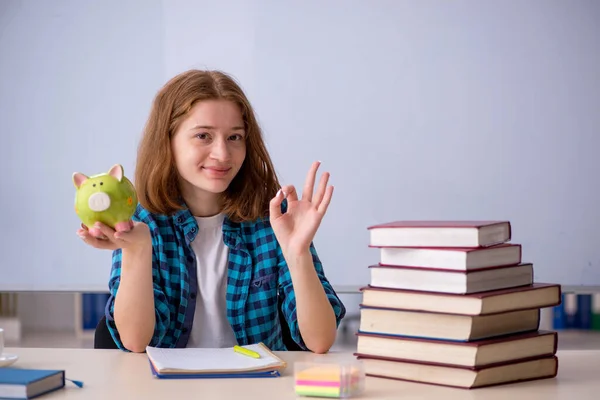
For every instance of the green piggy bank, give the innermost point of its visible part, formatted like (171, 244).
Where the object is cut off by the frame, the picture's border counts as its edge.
(108, 198)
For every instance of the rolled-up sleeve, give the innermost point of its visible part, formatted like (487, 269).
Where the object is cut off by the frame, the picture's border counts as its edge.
(289, 300)
(161, 308)
(161, 305)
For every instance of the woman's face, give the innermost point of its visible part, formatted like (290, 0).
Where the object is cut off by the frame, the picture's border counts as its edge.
(209, 147)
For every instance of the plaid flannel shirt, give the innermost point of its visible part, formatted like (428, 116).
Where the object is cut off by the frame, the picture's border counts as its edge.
(257, 275)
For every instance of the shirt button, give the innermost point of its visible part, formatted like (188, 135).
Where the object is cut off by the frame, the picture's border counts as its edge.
(193, 296)
(179, 219)
(193, 230)
(184, 330)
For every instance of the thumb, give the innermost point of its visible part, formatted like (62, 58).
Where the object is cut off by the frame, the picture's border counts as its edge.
(275, 205)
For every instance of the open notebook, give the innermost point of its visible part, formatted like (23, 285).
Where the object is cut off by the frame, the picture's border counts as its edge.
(213, 363)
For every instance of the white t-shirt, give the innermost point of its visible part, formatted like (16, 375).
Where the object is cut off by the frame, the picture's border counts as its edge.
(211, 327)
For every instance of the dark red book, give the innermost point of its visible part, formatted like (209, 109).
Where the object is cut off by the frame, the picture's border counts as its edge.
(536, 295)
(544, 367)
(454, 258)
(445, 326)
(440, 233)
(473, 354)
(451, 281)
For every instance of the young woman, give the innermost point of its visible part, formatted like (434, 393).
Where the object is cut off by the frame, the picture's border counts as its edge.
(217, 248)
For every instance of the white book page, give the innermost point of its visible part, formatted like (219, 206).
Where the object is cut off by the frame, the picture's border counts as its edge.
(210, 359)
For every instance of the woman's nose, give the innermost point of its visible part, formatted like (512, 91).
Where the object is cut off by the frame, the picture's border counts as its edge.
(219, 150)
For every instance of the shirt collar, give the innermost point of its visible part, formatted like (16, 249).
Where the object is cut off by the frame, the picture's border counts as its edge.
(184, 220)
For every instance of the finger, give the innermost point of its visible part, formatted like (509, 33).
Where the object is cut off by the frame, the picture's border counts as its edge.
(107, 231)
(309, 183)
(326, 200)
(289, 192)
(124, 233)
(321, 189)
(95, 242)
(97, 233)
(126, 236)
(275, 205)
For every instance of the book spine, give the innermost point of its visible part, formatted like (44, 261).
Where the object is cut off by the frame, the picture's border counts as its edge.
(558, 313)
(584, 311)
(93, 306)
(570, 310)
(87, 312)
(595, 312)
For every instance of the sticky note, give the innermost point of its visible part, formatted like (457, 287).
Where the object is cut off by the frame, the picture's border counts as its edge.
(328, 380)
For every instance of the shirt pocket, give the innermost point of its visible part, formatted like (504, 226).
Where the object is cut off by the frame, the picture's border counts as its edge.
(265, 282)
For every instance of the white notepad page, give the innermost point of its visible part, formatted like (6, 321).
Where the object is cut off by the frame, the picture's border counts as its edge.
(210, 359)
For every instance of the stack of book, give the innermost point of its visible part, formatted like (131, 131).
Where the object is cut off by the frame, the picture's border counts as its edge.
(452, 303)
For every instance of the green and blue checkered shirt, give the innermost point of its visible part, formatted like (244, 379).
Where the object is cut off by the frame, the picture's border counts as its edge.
(257, 276)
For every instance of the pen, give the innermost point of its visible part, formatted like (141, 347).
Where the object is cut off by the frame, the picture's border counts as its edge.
(246, 352)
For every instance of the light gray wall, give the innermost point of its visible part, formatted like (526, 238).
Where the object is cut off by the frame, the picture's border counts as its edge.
(70, 72)
(419, 109)
(495, 103)
(77, 80)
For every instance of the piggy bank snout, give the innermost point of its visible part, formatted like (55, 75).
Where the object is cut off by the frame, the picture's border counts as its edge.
(99, 202)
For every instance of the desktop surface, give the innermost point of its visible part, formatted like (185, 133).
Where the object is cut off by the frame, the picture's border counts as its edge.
(116, 374)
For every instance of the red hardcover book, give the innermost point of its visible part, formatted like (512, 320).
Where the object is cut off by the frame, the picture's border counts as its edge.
(451, 281)
(440, 233)
(474, 354)
(543, 367)
(444, 326)
(540, 295)
(454, 258)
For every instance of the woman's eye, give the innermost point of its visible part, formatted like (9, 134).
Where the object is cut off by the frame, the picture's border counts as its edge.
(236, 137)
(202, 136)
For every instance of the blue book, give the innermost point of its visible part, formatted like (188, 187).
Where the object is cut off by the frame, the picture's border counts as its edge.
(221, 375)
(88, 313)
(559, 319)
(584, 311)
(20, 383)
(214, 363)
(100, 300)
(570, 311)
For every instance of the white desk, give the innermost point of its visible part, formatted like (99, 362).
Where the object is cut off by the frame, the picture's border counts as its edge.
(112, 374)
(103, 288)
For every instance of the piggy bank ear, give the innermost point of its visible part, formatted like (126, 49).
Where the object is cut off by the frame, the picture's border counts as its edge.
(116, 172)
(78, 179)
